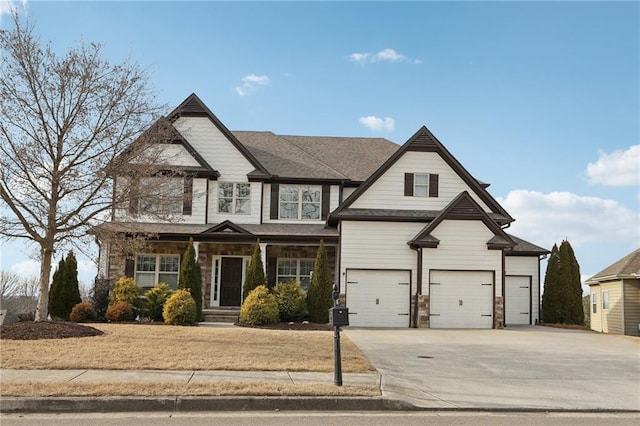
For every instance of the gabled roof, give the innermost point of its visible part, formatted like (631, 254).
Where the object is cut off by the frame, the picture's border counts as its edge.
(463, 207)
(524, 248)
(227, 227)
(423, 140)
(627, 267)
(194, 107)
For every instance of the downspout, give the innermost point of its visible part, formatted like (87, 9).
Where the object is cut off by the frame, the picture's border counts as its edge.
(414, 318)
(504, 296)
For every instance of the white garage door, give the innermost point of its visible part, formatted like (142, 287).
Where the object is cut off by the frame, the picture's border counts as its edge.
(517, 300)
(378, 298)
(461, 299)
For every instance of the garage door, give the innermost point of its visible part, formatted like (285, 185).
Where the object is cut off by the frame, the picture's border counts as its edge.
(378, 298)
(461, 299)
(517, 300)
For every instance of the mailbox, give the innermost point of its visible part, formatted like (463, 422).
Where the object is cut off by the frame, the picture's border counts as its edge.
(339, 316)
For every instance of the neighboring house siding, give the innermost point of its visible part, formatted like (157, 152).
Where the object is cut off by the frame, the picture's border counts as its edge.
(253, 217)
(631, 307)
(463, 246)
(377, 245)
(595, 317)
(388, 191)
(526, 266)
(612, 317)
(215, 148)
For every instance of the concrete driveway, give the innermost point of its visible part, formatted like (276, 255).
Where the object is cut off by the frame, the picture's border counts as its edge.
(525, 367)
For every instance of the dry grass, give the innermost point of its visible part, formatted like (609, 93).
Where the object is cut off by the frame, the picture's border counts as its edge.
(153, 347)
(176, 389)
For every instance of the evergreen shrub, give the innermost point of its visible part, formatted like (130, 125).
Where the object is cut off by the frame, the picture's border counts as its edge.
(156, 298)
(180, 308)
(120, 311)
(83, 312)
(190, 277)
(255, 272)
(260, 307)
(125, 290)
(292, 301)
(320, 291)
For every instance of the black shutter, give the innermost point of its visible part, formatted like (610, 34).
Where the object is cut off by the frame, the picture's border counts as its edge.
(275, 200)
(187, 196)
(433, 185)
(408, 184)
(129, 266)
(326, 199)
(272, 269)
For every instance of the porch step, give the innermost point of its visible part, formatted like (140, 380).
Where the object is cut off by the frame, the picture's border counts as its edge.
(221, 314)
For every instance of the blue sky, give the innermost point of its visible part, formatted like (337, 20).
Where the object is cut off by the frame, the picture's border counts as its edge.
(540, 99)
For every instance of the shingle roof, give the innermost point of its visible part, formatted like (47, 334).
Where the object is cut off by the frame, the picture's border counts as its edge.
(316, 157)
(627, 267)
(524, 248)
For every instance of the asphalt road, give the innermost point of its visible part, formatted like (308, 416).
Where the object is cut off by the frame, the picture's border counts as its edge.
(322, 418)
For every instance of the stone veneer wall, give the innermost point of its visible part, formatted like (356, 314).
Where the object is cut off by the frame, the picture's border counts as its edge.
(499, 319)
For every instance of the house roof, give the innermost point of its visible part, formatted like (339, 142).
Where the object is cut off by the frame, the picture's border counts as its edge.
(317, 157)
(627, 267)
(423, 140)
(524, 248)
(395, 215)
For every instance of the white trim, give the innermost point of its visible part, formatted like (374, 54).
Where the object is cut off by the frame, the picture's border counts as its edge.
(214, 297)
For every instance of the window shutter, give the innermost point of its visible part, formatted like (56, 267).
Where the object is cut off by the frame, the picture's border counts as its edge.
(433, 185)
(187, 196)
(326, 199)
(272, 269)
(275, 201)
(129, 266)
(408, 184)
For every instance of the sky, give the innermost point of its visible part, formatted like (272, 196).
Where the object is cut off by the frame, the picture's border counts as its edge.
(539, 99)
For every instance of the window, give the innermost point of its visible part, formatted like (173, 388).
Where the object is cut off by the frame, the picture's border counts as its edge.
(300, 202)
(420, 185)
(152, 269)
(594, 303)
(295, 269)
(161, 195)
(605, 300)
(234, 198)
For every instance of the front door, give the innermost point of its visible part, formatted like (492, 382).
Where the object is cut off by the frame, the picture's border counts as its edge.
(231, 281)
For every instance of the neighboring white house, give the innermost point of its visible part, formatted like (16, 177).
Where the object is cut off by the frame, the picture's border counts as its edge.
(412, 237)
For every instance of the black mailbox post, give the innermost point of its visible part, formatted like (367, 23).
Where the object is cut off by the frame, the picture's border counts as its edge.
(338, 317)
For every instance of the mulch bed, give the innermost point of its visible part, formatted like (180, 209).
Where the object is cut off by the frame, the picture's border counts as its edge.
(29, 330)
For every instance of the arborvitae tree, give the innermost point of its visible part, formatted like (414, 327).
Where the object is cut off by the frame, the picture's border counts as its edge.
(71, 288)
(56, 309)
(320, 291)
(572, 287)
(255, 272)
(191, 277)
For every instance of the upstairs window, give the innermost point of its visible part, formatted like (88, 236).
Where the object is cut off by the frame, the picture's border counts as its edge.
(302, 202)
(161, 195)
(421, 184)
(234, 198)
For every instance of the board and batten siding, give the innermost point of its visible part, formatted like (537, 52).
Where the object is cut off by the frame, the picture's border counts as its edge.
(631, 307)
(388, 191)
(253, 217)
(377, 245)
(526, 266)
(462, 247)
(215, 148)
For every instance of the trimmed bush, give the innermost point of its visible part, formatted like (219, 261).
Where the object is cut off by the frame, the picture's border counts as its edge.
(124, 290)
(100, 297)
(190, 277)
(180, 308)
(156, 298)
(120, 311)
(65, 293)
(292, 302)
(83, 312)
(319, 298)
(255, 272)
(260, 307)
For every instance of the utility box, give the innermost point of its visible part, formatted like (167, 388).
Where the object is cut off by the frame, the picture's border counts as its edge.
(339, 316)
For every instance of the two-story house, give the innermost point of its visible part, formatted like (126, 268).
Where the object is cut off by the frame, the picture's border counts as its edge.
(413, 239)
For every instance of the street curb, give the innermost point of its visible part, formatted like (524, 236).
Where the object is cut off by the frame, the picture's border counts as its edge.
(196, 403)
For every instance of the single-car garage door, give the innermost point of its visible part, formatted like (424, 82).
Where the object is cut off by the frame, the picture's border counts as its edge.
(517, 304)
(378, 298)
(461, 299)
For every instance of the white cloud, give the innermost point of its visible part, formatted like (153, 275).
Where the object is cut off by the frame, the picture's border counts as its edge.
(249, 82)
(7, 6)
(378, 124)
(619, 168)
(385, 55)
(26, 268)
(550, 218)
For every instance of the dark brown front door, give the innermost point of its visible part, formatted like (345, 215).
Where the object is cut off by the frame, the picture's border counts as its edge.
(231, 281)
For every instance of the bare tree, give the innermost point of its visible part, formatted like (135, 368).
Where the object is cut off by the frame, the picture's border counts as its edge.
(67, 122)
(17, 293)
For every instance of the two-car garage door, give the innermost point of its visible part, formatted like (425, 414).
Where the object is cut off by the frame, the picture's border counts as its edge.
(461, 299)
(378, 298)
